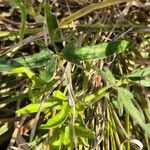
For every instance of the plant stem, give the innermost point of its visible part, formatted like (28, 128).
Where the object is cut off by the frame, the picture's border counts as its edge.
(127, 128)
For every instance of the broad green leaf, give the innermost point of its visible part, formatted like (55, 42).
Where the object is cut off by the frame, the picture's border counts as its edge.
(51, 23)
(100, 51)
(33, 61)
(145, 82)
(59, 95)
(37, 60)
(83, 132)
(32, 108)
(59, 118)
(49, 70)
(139, 73)
(125, 97)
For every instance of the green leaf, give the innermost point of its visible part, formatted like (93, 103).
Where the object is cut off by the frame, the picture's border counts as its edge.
(55, 139)
(51, 23)
(84, 141)
(100, 51)
(26, 70)
(35, 80)
(4, 128)
(23, 20)
(32, 108)
(59, 141)
(35, 94)
(140, 73)
(59, 95)
(44, 58)
(107, 74)
(83, 132)
(59, 118)
(49, 70)
(67, 139)
(125, 97)
(145, 82)
(95, 97)
(147, 128)
(123, 94)
(23, 10)
(33, 61)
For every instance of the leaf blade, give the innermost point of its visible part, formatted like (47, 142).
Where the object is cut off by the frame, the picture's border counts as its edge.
(33, 108)
(133, 111)
(100, 51)
(59, 118)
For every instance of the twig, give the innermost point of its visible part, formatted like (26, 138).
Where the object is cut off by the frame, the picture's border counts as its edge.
(16, 131)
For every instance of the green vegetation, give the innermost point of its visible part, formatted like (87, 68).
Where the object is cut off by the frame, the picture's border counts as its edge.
(75, 75)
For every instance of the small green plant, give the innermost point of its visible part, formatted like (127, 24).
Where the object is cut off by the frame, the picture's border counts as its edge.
(79, 96)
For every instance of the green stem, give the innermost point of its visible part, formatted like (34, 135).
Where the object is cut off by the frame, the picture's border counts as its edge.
(23, 21)
(127, 128)
(114, 129)
(147, 141)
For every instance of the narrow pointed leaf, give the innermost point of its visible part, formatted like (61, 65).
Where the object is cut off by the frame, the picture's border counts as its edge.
(32, 108)
(59, 118)
(140, 73)
(58, 94)
(23, 10)
(125, 97)
(84, 141)
(67, 139)
(51, 21)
